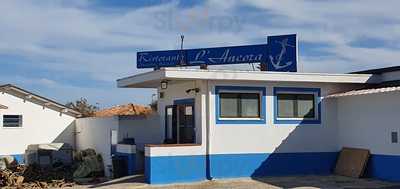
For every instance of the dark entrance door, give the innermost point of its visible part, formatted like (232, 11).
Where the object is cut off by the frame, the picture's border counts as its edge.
(179, 122)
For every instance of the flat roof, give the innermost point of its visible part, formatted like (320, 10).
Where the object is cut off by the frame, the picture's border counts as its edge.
(152, 79)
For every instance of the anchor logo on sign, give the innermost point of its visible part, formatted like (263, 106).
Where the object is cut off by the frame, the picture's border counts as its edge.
(278, 59)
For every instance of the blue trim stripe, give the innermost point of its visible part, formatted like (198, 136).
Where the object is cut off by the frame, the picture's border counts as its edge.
(172, 169)
(20, 158)
(262, 119)
(296, 89)
(184, 101)
(385, 167)
(275, 164)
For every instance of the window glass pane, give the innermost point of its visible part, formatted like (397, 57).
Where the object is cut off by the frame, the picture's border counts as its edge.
(229, 105)
(286, 104)
(250, 105)
(169, 111)
(114, 137)
(169, 123)
(305, 106)
(12, 120)
(181, 115)
(188, 110)
(189, 116)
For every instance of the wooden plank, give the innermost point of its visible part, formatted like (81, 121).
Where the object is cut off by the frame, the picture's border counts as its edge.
(352, 162)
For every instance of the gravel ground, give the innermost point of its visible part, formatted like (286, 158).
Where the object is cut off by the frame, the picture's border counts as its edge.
(299, 182)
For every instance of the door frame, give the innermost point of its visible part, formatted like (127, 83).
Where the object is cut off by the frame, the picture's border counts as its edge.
(166, 120)
(191, 102)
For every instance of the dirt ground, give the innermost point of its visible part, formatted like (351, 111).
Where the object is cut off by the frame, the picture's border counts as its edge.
(298, 182)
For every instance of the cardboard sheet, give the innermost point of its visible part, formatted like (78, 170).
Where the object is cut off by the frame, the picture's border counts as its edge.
(352, 162)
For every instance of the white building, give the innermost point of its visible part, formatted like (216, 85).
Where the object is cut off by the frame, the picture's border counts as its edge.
(227, 124)
(104, 133)
(27, 118)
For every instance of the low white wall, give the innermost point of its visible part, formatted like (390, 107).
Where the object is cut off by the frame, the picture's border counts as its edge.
(39, 125)
(95, 133)
(366, 121)
(145, 129)
(171, 150)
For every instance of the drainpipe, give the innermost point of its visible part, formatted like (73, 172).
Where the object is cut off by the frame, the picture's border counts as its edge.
(208, 161)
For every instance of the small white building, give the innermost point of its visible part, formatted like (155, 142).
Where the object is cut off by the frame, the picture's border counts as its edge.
(106, 134)
(27, 118)
(229, 124)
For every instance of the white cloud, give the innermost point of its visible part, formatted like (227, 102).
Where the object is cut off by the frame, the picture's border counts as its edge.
(65, 37)
(338, 23)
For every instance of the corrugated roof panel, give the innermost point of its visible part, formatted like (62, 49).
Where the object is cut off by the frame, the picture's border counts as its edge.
(365, 91)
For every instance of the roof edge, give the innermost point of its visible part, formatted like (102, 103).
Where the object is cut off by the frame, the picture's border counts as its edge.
(45, 100)
(378, 70)
(358, 92)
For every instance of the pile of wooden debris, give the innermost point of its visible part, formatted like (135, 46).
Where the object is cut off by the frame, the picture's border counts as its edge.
(22, 176)
(86, 164)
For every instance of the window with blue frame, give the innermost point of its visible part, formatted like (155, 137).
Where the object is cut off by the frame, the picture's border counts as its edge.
(240, 105)
(297, 105)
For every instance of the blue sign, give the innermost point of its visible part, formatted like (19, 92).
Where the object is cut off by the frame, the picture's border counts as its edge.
(282, 53)
(277, 54)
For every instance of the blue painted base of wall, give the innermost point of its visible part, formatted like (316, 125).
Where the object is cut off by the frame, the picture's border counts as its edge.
(275, 164)
(385, 167)
(20, 158)
(172, 169)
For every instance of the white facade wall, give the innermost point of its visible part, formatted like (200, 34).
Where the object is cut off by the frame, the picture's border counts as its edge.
(40, 125)
(145, 129)
(366, 121)
(276, 138)
(254, 138)
(95, 133)
(177, 91)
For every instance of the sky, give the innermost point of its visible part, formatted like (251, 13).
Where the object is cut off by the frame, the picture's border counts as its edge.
(68, 49)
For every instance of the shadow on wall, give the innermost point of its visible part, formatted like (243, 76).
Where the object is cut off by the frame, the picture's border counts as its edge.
(313, 157)
(309, 149)
(67, 135)
(135, 180)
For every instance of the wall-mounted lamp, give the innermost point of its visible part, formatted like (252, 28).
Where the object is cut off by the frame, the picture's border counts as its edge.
(193, 89)
(164, 84)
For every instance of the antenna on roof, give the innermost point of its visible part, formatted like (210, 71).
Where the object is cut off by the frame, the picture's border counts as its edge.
(182, 38)
(182, 56)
